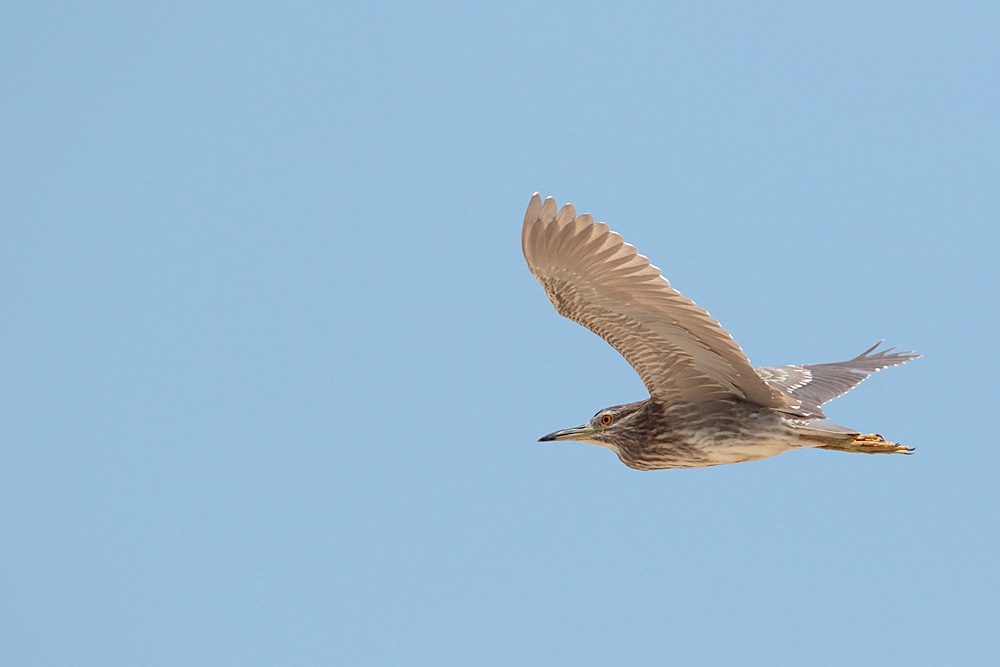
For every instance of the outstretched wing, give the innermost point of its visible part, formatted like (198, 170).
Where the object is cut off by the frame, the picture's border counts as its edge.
(817, 384)
(596, 279)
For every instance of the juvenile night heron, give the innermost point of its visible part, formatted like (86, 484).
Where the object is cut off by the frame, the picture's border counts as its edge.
(707, 405)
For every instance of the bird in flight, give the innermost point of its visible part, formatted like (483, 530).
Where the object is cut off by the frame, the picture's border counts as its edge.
(707, 405)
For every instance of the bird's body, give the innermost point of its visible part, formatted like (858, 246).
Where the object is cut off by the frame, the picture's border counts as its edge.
(697, 435)
(708, 406)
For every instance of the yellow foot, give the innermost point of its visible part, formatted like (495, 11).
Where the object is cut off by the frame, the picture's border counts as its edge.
(873, 443)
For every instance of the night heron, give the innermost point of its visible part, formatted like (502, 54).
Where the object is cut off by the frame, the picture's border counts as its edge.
(707, 405)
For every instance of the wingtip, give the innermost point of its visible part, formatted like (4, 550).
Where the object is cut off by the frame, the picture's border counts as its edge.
(566, 214)
(548, 212)
(892, 352)
(534, 208)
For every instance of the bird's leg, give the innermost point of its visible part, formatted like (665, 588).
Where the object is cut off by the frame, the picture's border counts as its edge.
(871, 443)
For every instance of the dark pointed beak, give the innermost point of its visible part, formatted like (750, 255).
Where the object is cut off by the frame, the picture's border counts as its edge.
(575, 433)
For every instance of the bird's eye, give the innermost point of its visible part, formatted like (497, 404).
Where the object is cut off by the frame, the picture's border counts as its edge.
(606, 420)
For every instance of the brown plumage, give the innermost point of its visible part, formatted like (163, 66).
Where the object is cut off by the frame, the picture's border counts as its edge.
(708, 405)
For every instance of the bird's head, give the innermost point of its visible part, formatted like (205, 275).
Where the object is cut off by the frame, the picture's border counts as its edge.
(605, 429)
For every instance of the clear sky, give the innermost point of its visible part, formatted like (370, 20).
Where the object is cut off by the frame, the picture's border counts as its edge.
(274, 368)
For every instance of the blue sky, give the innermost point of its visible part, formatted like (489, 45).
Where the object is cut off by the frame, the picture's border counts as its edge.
(275, 367)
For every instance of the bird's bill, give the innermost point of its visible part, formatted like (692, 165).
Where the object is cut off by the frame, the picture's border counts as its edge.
(575, 433)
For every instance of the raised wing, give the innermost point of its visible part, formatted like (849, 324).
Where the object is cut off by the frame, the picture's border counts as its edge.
(817, 384)
(596, 279)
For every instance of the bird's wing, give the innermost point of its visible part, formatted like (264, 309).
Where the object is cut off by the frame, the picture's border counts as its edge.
(817, 384)
(596, 279)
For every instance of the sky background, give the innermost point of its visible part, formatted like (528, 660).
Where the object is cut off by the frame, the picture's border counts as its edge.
(274, 367)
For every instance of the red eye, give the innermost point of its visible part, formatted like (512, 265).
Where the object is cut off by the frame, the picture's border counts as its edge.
(606, 420)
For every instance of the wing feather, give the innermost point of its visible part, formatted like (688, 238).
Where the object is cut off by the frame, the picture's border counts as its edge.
(816, 384)
(596, 279)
